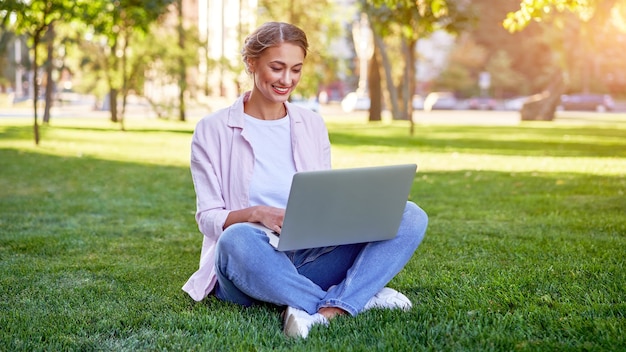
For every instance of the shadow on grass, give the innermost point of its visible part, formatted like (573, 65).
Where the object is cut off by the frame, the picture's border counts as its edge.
(96, 251)
(25, 132)
(45, 195)
(581, 141)
(16, 132)
(557, 141)
(187, 130)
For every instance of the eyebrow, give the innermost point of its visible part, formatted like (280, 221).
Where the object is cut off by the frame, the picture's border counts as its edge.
(285, 64)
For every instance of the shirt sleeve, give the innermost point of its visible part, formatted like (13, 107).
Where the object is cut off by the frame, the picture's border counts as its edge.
(211, 211)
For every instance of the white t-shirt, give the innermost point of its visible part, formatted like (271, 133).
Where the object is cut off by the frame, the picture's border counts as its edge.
(274, 166)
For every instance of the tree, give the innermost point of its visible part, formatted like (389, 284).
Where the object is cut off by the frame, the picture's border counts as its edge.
(6, 38)
(591, 18)
(409, 21)
(530, 54)
(114, 22)
(33, 18)
(159, 63)
(466, 61)
(503, 77)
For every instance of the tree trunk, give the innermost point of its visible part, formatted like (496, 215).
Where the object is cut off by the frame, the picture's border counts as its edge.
(125, 79)
(375, 87)
(112, 64)
(405, 83)
(542, 106)
(36, 39)
(49, 68)
(411, 76)
(113, 104)
(391, 89)
(182, 67)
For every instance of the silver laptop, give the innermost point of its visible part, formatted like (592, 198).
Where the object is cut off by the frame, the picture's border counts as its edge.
(343, 206)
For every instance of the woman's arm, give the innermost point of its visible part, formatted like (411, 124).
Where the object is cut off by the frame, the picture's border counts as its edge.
(270, 217)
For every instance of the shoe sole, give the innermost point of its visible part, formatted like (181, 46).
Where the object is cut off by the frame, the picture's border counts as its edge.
(291, 327)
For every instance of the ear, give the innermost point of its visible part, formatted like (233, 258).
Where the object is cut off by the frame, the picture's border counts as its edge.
(250, 65)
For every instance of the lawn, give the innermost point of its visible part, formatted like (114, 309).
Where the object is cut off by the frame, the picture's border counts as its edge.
(525, 248)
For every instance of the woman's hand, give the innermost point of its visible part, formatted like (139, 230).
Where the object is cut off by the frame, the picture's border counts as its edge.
(270, 217)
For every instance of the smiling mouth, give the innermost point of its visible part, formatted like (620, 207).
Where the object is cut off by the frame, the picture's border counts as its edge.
(281, 90)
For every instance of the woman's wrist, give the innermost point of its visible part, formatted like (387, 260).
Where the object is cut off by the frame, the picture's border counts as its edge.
(255, 214)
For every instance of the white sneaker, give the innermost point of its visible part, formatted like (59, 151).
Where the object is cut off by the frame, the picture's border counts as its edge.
(297, 323)
(388, 298)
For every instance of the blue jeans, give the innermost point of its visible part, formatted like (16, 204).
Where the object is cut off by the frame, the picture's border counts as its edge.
(249, 269)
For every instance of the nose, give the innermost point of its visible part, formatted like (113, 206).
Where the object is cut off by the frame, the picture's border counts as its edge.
(286, 77)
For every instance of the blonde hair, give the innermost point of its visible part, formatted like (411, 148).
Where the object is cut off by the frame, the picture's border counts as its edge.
(272, 34)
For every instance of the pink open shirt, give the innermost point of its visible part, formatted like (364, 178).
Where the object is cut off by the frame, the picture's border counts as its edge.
(222, 161)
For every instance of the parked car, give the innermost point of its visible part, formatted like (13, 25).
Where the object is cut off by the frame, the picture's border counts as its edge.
(354, 101)
(310, 103)
(482, 103)
(440, 100)
(418, 102)
(515, 104)
(591, 102)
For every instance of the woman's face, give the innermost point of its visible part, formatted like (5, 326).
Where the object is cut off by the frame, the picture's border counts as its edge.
(277, 71)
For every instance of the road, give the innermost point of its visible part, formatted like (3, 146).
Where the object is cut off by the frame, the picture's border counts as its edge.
(333, 112)
(474, 117)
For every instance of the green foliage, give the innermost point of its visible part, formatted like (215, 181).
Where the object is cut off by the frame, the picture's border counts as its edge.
(112, 19)
(589, 32)
(32, 17)
(6, 39)
(112, 25)
(417, 19)
(541, 9)
(532, 55)
(458, 79)
(524, 249)
(585, 10)
(465, 62)
(503, 77)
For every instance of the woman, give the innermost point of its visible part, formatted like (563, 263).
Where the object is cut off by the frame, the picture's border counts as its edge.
(242, 162)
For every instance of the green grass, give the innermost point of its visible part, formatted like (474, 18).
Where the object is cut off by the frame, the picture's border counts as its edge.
(524, 251)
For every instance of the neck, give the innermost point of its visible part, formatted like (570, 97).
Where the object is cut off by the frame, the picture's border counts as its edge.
(264, 111)
(272, 113)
